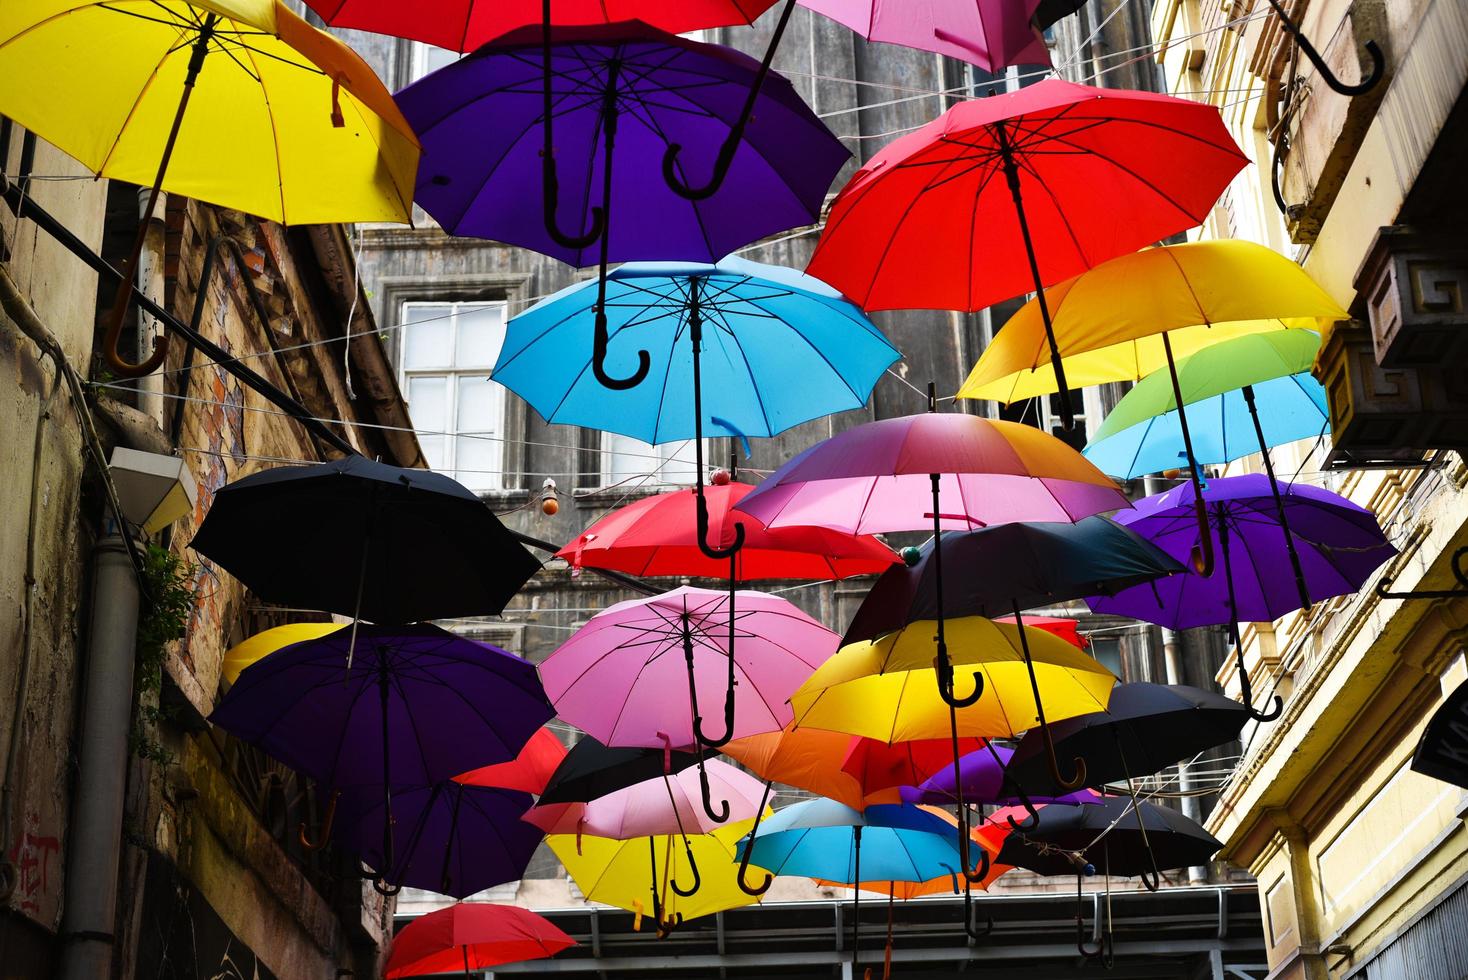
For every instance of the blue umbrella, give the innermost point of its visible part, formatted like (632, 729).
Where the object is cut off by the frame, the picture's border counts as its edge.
(828, 840)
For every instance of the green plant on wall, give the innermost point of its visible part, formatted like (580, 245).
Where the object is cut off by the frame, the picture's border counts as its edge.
(167, 603)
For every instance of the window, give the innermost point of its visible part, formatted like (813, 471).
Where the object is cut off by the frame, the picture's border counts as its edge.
(427, 58)
(632, 460)
(448, 351)
(1107, 651)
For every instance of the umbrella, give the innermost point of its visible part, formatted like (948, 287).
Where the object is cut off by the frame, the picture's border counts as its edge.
(591, 770)
(616, 677)
(992, 34)
(901, 233)
(266, 642)
(1136, 314)
(1010, 568)
(407, 713)
(667, 534)
(1339, 543)
(984, 778)
(1144, 729)
(365, 539)
(1067, 629)
(1118, 837)
(1222, 386)
(447, 837)
(476, 936)
(529, 771)
(287, 122)
(618, 873)
(827, 840)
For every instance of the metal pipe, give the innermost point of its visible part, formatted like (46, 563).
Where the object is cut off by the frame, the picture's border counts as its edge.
(150, 284)
(97, 806)
(1192, 805)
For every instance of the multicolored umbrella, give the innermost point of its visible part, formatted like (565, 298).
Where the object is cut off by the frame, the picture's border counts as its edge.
(1088, 174)
(472, 937)
(992, 34)
(620, 679)
(1339, 543)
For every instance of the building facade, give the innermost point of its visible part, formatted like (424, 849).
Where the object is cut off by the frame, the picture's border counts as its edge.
(1361, 860)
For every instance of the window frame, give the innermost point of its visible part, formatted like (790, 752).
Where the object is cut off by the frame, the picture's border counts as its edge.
(666, 452)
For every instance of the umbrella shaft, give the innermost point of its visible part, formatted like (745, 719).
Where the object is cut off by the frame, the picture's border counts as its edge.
(1204, 566)
(1279, 507)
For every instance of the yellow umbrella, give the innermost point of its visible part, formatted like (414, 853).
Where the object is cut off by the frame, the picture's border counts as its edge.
(635, 874)
(1136, 314)
(283, 121)
(887, 689)
(266, 642)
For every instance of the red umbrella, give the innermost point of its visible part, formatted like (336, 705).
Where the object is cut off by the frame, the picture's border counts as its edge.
(1015, 192)
(529, 771)
(878, 765)
(1067, 629)
(472, 937)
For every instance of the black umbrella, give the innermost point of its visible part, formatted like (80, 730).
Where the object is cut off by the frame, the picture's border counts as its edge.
(1144, 729)
(592, 770)
(365, 539)
(1118, 837)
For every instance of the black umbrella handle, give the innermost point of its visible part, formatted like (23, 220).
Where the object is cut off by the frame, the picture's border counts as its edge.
(698, 733)
(755, 890)
(701, 506)
(550, 182)
(970, 918)
(1373, 50)
(944, 665)
(1079, 779)
(965, 847)
(1032, 815)
(380, 885)
(1245, 687)
(731, 142)
(1082, 946)
(693, 866)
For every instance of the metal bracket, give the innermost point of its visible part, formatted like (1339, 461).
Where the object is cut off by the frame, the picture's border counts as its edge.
(1383, 591)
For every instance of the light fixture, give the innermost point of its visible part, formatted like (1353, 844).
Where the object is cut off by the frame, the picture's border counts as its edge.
(154, 490)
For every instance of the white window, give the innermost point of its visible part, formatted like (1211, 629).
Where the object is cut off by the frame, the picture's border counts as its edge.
(632, 463)
(448, 350)
(427, 58)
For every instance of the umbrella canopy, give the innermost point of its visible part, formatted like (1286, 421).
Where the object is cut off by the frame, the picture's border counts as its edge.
(266, 642)
(662, 805)
(881, 765)
(480, 121)
(1117, 838)
(877, 477)
(901, 232)
(884, 689)
(982, 775)
(591, 770)
(1228, 388)
(657, 536)
(1000, 570)
(1340, 544)
(463, 25)
(366, 539)
(474, 936)
(528, 772)
(992, 34)
(622, 679)
(635, 875)
(409, 712)
(1144, 729)
(808, 759)
(984, 836)
(1067, 629)
(818, 839)
(1110, 322)
(283, 121)
(447, 838)
(777, 348)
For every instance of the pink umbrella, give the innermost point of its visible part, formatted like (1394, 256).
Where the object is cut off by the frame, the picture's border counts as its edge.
(992, 34)
(620, 677)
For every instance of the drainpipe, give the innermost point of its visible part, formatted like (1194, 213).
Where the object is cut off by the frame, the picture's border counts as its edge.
(150, 284)
(95, 838)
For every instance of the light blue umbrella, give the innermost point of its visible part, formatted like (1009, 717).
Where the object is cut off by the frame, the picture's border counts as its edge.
(833, 842)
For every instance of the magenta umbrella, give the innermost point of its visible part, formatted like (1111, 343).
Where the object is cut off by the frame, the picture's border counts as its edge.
(992, 34)
(621, 679)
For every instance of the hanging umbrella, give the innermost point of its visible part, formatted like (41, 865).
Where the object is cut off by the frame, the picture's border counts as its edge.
(1137, 314)
(407, 713)
(1339, 544)
(827, 840)
(1223, 387)
(1067, 629)
(625, 874)
(619, 677)
(984, 778)
(1073, 158)
(528, 772)
(448, 837)
(591, 770)
(882, 765)
(992, 34)
(472, 936)
(1119, 837)
(236, 102)
(365, 539)
(266, 642)
(1144, 729)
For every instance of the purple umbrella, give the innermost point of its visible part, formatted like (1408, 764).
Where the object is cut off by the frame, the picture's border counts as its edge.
(448, 838)
(982, 777)
(1339, 543)
(417, 706)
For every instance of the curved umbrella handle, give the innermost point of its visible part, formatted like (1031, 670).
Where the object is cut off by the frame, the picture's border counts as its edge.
(731, 142)
(599, 356)
(380, 885)
(326, 823)
(1082, 947)
(550, 184)
(978, 875)
(1202, 558)
(1281, 147)
(946, 691)
(692, 864)
(666, 926)
(701, 515)
(1079, 779)
(1032, 815)
(754, 890)
(1246, 688)
(1378, 62)
(717, 816)
(969, 928)
(1152, 879)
